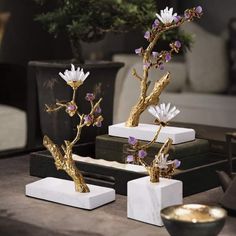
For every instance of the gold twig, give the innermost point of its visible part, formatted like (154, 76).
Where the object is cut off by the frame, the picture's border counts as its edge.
(65, 161)
(134, 73)
(145, 100)
(146, 146)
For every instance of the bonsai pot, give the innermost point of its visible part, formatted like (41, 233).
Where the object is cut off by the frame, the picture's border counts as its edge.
(51, 88)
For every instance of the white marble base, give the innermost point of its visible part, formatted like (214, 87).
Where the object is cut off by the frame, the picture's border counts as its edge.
(63, 192)
(145, 199)
(147, 132)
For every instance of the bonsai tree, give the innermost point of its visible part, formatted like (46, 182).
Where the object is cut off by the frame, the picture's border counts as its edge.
(90, 20)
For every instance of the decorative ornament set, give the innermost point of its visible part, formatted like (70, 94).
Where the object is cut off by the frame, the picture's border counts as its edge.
(157, 186)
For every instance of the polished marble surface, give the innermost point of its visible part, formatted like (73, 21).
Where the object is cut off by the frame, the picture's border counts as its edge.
(63, 191)
(146, 132)
(145, 199)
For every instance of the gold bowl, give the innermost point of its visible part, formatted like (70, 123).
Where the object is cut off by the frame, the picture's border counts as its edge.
(193, 220)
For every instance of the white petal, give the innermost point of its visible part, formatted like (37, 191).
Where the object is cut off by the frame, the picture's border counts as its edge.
(80, 76)
(162, 106)
(168, 107)
(72, 67)
(159, 17)
(63, 76)
(176, 112)
(152, 110)
(170, 117)
(73, 75)
(172, 109)
(86, 75)
(162, 115)
(158, 109)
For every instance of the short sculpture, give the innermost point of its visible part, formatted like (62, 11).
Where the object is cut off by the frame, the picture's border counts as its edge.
(160, 166)
(63, 158)
(151, 59)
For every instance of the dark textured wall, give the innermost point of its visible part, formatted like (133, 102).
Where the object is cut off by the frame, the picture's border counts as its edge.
(24, 38)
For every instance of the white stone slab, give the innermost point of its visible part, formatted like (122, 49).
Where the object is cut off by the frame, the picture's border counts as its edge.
(147, 132)
(63, 192)
(145, 199)
(113, 164)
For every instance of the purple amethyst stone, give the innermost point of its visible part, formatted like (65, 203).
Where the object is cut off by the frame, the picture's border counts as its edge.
(147, 35)
(71, 107)
(142, 153)
(155, 54)
(177, 163)
(198, 9)
(177, 19)
(90, 97)
(130, 158)
(132, 140)
(88, 119)
(138, 50)
(98, 110)
(178, 44)
(155, 24)
(186, 15)
(168, 57)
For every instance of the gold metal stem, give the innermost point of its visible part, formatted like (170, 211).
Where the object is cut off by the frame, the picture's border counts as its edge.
(145, 100)
(74, 93)
(146, 146)
(154, 172)
(66, 163)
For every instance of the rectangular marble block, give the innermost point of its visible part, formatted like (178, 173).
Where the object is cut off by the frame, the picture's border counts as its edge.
(63, 192)
(147, 132)
(146, 199)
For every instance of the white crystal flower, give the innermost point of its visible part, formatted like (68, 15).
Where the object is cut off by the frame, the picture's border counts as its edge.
(74, 77)
(166, 16)
(163, 113)
(162, 162)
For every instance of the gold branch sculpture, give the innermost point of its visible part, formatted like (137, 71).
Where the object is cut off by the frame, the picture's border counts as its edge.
(63, 157)
(160, 166)
(151, 59)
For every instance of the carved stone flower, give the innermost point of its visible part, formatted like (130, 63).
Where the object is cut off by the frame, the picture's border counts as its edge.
(166, 16)
(73, 77)
(163, 113)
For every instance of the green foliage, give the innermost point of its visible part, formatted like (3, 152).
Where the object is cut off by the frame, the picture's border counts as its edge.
(90, 20)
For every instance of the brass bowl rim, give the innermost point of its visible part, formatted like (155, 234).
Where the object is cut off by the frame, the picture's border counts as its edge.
(197, 222)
